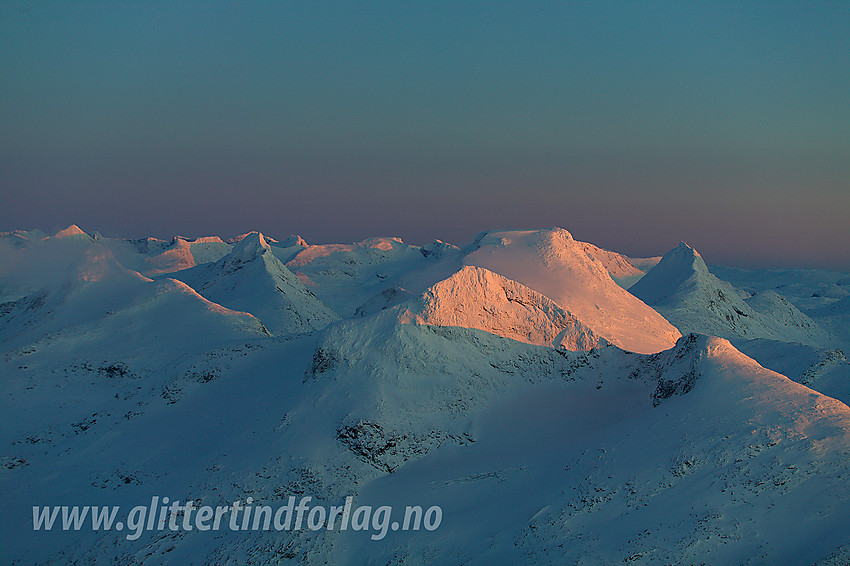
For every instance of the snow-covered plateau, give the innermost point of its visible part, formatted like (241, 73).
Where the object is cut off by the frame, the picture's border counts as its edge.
(545, 400)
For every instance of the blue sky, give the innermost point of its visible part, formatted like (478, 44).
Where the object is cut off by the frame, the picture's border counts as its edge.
(632, 124)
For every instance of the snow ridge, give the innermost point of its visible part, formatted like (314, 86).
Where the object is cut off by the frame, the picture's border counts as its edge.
(478, 298)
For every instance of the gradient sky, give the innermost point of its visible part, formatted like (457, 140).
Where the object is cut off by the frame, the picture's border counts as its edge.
(632, 124)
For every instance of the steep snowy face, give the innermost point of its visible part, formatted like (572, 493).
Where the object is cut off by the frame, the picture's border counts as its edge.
(554, 264)
(72, 231)
(619, 267)
(787, 322)
(478, 298)
(681, 288)
(402, 375)
(681, 269)
(251, 247)
(251, 279)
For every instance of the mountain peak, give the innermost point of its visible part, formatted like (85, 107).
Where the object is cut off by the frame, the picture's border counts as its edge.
(554, 264)
(682, 263)
(685, 249)
(504, 238)
(475, 297)
(252, 279)
(293, 240)
(252, 246)
(566, 234)
(681, 268)
(70, 231)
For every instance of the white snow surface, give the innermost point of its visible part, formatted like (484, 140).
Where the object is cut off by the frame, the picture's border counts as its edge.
(71, 231)
(619, 267)
(478, 298)
(682, 289)
(490, 380)
(552, 263)
(251, 279)
(345, 276)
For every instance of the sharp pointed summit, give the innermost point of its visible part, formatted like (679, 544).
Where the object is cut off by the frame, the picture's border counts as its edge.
(71, 231)
(251, 279)
(682, 289)
(249, 248)
(681, 270)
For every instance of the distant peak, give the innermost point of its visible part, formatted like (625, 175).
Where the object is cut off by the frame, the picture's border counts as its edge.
(293, 240)
(72, 230)
(679, 269)
(208, 240)
(504, 238)
(683, 247)
(385, 244)
(240, 237)
(561, 231)
(437, 249)
(252, 246)
(685, 253)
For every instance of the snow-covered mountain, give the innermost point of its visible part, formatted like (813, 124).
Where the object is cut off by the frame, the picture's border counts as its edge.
(821, 294)
(577, 276)
(96, 300)
(621, 481)
(478, 298)
(554, 264)
(621, 268)
(825, 370)
(152, 257)
(485, 380)
(808, 289)
(345, 276)
(72, 231)
(73, 285)
(682, 289)
(148, 256)
(251, 278)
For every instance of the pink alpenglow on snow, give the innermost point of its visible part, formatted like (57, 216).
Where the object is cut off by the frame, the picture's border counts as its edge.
(475, 297)
(554, 264)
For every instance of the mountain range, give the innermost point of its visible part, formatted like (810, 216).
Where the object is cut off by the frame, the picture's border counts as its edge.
(559, 402)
